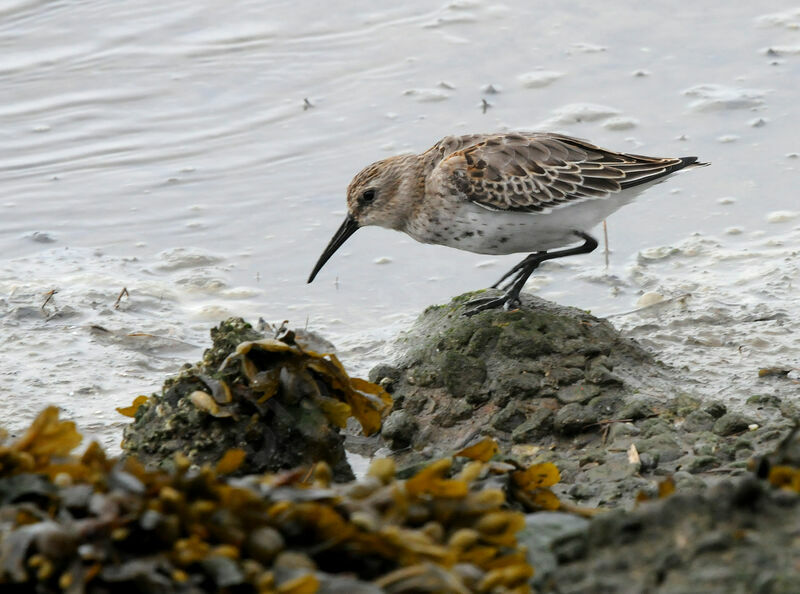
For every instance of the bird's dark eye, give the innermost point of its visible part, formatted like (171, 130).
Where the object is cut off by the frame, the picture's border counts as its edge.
(368, 195)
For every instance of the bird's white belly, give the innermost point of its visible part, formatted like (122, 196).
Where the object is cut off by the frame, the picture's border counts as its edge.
(473, 228)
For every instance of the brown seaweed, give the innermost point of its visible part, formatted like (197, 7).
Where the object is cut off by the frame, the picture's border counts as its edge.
(90, 523)
(277, 398)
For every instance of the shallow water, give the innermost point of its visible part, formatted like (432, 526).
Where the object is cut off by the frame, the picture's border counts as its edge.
(198, 153)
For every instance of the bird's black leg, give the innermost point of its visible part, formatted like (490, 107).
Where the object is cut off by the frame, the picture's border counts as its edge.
(522, 272)
(514, 271)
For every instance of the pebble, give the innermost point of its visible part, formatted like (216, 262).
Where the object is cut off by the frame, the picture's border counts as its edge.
(536, 426)
(550, 537)
(698, 421)
(731, 423)
(783, 50)
(709, 97)
(620, 123)
(574, 113)
(588, 48)
(264, 543)
(539, 78)
(573, 417)
(649, 298)
(42, 237)
(427, 95)
(399, 429)
(782, 216)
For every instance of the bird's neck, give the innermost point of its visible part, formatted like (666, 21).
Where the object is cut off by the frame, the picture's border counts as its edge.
(409, 191)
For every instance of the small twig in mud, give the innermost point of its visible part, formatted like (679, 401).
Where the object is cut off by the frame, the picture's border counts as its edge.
(774, 371)
(584, 512)
(307, 104)
(633, 455)
(612, 421)
(469, 437)
(147, 335)
(607, 425)
(122, 293)
(606, 251)
(48, 297)
(281, 329)
(307, 476)
(651, 306)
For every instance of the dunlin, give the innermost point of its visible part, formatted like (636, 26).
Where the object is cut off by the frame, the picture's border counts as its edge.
(501, 194)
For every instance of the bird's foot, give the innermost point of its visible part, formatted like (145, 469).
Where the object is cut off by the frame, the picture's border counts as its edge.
(507, 302)
(504, 285)
(508, 279)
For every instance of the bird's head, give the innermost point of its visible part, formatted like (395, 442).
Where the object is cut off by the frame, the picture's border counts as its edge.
(376, 196)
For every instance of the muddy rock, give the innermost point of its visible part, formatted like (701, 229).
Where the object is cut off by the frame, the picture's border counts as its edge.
(736, 537)
(399, 429)
(541, 374)
(730, 423)
(556, 384)
(541, 357)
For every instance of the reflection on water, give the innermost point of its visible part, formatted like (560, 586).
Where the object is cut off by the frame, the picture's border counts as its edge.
(197, 154)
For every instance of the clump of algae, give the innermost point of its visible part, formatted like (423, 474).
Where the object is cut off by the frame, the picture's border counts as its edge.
(90, 523)
(278, 398)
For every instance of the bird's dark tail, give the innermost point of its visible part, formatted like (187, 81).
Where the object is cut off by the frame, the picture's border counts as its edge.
(657, 173)
(688, 162)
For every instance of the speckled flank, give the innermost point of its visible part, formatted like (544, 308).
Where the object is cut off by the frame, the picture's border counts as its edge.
(474, 229)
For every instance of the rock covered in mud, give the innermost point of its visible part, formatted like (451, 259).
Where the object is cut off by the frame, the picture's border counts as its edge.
(276, 399)
(739, 536)
(518, 376)
(553, 383)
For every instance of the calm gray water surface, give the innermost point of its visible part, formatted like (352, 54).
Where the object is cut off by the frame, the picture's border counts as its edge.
(197, 153)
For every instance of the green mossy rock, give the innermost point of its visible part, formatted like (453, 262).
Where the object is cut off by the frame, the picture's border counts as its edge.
(508, 367)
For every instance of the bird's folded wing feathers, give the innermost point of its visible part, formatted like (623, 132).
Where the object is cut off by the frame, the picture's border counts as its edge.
(536, 172)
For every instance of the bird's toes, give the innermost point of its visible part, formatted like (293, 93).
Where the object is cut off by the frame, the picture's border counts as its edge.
(506, 281)
(478, 305)
(479, 301)
(511, 303)
(506, 285)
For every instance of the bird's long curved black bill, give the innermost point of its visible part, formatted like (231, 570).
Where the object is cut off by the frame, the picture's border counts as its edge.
(349, 227)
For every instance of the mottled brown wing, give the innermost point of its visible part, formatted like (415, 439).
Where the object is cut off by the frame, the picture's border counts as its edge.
(535, 172)
(449, 145)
